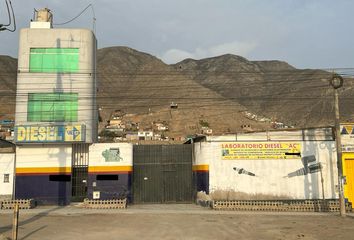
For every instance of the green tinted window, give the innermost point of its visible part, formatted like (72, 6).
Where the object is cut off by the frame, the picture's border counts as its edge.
(54, 60)
(52, 107)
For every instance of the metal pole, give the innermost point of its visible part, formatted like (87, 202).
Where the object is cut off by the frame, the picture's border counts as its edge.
(322, 184)
(14, 177)
(15, 222)
(339, 155)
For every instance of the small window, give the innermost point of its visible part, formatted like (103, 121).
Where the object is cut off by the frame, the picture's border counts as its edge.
(6, 178)
(59, 178)
(107, 177)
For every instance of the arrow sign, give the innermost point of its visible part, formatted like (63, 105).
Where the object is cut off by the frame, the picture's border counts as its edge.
(75, 133)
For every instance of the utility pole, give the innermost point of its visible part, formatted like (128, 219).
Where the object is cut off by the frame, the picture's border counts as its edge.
(15, 222)
(337, 82)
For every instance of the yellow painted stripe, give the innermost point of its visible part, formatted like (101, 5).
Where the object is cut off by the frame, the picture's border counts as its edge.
(110, 168)
(44, 170)
(204, 167)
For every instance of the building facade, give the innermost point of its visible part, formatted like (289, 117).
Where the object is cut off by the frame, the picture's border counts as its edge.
(290, 164)
(56, 112)
(7, 160)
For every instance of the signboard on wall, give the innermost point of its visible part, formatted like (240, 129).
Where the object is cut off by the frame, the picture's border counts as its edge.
(347, 137)
(260, 150)
(50, 134)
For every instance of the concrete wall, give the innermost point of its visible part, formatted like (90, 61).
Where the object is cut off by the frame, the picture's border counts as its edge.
(271, 175)
(35, 164)
(83, 82)
(41, 156)
(110, 160)
(314, 134)
(6, 167)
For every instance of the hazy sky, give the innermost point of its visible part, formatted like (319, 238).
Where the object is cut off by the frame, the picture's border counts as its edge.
(305, 33)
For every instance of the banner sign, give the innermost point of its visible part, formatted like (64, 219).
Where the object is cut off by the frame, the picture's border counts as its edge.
(347, 137)
(260, 150)
(51, 133)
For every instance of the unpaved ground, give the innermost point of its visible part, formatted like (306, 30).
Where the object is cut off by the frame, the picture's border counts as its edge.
(174, 222)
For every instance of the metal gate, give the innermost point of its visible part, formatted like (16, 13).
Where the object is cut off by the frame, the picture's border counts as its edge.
(80, 160)
(162, 174)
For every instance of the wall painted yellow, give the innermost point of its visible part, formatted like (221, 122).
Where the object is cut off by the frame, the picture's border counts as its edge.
(348, 172)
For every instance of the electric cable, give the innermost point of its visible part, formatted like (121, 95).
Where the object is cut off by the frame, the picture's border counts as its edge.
(77, 16)
(8, 14)
(5, 27)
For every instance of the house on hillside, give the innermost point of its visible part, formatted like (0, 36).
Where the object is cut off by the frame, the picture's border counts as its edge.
(146, 135)
(161, 126)
(131, 126)
(132, 136)
(117, 114)
(173, 105)
(6, 129)
(207, 130)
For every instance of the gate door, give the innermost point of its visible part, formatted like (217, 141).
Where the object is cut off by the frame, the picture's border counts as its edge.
(79, 172)
(162, 174)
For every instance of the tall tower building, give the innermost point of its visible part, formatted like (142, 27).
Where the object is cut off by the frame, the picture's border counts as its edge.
(56, 112)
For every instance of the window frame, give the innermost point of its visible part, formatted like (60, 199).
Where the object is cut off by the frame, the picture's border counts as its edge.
(54, 60)
(52, 107)
(6, 178)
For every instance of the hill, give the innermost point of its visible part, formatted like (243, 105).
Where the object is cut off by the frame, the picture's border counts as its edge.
(140, 84)
(223, 92)
(8, 69)
(301, 98)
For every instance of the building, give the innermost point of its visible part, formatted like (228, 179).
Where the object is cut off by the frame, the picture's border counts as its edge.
(56, 112)
(347, 133)
(282, 164)
(7, 159)
(161, 126)
(276, 164)
(146, 135)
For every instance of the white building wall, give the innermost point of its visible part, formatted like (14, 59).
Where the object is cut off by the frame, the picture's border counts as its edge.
(6, 167)
(83, 82)
(271, 175)
(97, 152)
(43, 156)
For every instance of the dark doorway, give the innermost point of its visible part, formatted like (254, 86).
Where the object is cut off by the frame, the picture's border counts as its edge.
(80, 156)
(162, 174)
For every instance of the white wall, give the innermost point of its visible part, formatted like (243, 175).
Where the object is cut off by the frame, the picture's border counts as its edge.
(271, 175)
(37, 156)
(83, 83)
(97, 150)
(6, 167)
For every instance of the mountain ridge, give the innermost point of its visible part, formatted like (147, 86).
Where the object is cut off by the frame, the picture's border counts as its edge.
(223, 91)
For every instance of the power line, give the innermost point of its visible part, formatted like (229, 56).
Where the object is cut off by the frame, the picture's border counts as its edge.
(11, 16)
(77, 16)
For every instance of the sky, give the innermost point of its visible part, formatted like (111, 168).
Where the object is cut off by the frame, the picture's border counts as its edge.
(304, 33)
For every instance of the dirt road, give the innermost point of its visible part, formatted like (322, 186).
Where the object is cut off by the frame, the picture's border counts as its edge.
(174, 222)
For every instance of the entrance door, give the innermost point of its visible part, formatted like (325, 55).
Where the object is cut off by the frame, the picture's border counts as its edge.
(162, 174)
(348, 172)
(79, 172)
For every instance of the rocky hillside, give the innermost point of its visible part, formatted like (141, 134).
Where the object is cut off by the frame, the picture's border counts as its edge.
(138, 83)
(225, 91)
(301, 98)
(8, 68)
